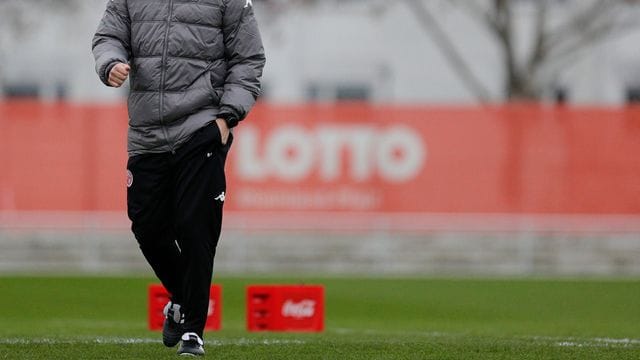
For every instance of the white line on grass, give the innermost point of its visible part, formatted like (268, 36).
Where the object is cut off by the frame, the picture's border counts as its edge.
(599, 342)
(585, 342)
(126, 341)
(555, 340)
(47, 341)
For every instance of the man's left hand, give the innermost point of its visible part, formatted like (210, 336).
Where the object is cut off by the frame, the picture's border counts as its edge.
(224, 130)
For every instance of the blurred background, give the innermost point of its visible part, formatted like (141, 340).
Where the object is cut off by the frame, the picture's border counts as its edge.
(407, 137)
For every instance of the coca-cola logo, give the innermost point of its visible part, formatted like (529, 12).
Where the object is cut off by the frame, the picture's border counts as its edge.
(299, 310)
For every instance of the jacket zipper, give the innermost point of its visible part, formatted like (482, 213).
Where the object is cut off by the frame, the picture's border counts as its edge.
(163, 75)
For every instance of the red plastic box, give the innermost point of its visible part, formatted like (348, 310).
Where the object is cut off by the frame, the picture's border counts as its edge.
(158, 298)
(285, 308)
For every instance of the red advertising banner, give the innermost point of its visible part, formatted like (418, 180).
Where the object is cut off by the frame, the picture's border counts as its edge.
(523, 159)
(294, 308)
(309, 164)
(159, 297)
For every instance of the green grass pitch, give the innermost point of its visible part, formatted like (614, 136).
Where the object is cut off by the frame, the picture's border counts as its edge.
(366, 318)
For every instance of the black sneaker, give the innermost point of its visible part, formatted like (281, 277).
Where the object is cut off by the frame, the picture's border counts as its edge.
(172, 328)
(191, 345)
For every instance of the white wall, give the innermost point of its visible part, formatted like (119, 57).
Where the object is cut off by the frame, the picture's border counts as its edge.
(328, 44)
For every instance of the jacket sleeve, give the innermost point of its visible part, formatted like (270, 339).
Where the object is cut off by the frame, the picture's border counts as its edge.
(245, 60)
(112, 41)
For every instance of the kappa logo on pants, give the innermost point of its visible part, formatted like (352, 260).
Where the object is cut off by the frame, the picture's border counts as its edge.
(221, 197)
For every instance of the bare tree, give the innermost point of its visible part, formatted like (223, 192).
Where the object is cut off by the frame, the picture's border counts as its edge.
(562, 31)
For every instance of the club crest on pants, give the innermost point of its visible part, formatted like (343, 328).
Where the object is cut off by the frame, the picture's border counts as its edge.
(129, 179)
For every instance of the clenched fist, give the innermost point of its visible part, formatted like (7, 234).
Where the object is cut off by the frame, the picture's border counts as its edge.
(119, 74)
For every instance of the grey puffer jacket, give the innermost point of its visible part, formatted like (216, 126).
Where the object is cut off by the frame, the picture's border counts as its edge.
(191, 61)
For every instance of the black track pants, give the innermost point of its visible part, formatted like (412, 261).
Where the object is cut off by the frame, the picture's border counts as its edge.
(175, 204)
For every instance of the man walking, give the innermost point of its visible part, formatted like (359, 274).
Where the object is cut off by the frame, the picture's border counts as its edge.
(195, 68)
